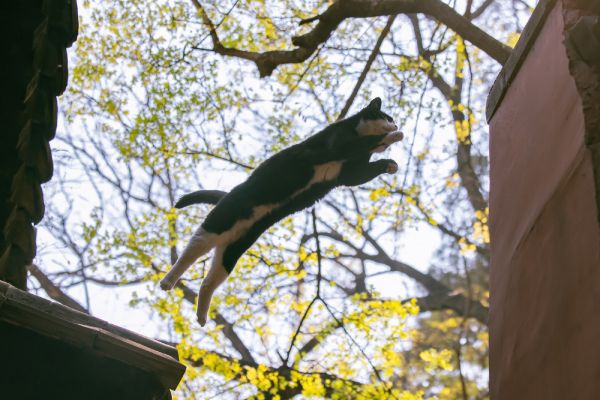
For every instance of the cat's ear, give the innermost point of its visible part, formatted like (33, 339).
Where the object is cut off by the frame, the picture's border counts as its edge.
(375, 104)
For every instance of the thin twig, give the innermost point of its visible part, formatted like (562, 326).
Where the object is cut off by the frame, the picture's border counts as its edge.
(319, 275)
(349, 336)
(367, 67)
(318, 293)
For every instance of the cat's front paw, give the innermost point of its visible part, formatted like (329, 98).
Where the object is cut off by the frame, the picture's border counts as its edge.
(392, 167)
(387, 141)
(393, 138)
(166, 284)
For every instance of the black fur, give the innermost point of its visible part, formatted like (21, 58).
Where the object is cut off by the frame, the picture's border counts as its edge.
(201, 196)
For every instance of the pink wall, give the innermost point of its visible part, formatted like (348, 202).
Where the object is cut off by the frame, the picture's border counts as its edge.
(545, 273)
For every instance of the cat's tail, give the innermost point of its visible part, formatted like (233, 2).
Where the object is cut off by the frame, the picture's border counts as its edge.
(200, 197)
(200, 243)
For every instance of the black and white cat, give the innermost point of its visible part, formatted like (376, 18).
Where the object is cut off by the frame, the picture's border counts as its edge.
(289, 181)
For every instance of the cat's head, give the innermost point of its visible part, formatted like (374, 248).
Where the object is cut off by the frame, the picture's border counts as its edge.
(373, 121)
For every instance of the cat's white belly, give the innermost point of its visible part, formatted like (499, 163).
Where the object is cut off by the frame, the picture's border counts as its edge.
(242, 226)
(323, 173)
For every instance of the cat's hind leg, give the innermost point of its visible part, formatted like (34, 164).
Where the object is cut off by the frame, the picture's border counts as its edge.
(225, 259)
(200, 244)
(217, 274)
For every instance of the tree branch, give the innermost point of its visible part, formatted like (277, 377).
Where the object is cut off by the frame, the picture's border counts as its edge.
(53, 291)
(329, 20)
(367, 67)
(468, 177)
(456, 302)
(286, 372)
(190, 296)
(483, 250)
(235, 340)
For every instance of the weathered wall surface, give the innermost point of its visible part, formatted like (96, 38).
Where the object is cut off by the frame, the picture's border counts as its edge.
(545, 274)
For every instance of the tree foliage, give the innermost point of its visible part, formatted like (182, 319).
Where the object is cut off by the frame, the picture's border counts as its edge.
(167, 97)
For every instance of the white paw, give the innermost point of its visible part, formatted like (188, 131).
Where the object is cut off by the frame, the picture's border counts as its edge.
(166, 284)
(392, 167)
(393, 138)
(379, 149)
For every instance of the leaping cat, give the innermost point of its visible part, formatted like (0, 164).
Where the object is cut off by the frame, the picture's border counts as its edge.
(289, 181)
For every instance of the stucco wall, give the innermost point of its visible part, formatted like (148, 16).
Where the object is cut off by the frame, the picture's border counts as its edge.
(545, 271)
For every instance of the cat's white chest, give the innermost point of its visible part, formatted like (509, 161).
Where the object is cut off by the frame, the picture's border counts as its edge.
(326, 172)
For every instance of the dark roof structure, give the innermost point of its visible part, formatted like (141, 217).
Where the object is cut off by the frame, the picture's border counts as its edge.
(34, 71)
(52, 351)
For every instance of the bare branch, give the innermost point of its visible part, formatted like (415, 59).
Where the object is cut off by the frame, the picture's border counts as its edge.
(190, 296)
(53, 291)
(482, 8)
(219, 157)
(286, 372)
(367, 67)
(455, 302)
(482, 250)
(233, 337)
(329, 20)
